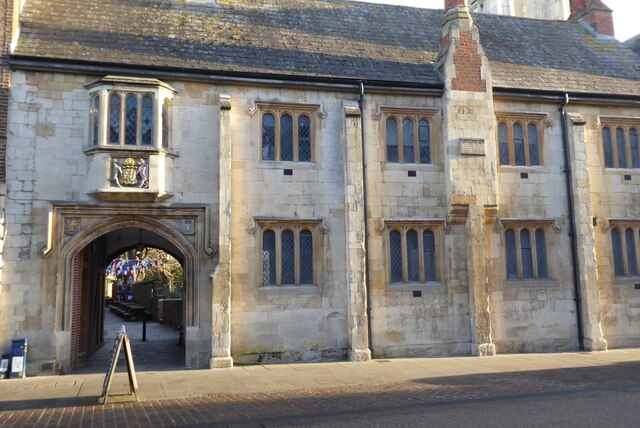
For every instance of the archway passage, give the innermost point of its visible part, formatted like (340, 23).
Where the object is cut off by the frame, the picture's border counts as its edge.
(109, 290)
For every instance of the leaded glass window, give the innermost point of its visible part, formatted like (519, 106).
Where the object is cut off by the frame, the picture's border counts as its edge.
(287, 136)
(268, 257)
(424, 141)
(632, 264)
(526, 253)
(131, 119)
(412, 254)
(635, 151)
(410, 142)
(621, 147)
(268, 137)
(532, 132)
(429, 250)
(304, 139)
(618, 259)
(147, 120)
(407, 141)
(541, 254)
(519, 141)
(288, 255)
(94, 118)
(625, 245)
(114, 118)
(134, 118)
(395, 255)
(166, 117)
(608, 147)
(306, 257)
(413, 259)
(503, 142)
(512, 254)
(392, 140)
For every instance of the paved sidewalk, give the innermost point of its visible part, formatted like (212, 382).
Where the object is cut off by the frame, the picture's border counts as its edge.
(183, 397)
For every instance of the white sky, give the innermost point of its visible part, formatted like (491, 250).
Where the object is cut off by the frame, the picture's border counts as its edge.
(626, 13)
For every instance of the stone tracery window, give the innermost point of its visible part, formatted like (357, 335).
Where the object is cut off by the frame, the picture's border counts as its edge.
(412, 254)
(620, 143)
(526, 252)
(287, 135)
(289, 253)
(520, 139)
(625, 243)
(408, 139)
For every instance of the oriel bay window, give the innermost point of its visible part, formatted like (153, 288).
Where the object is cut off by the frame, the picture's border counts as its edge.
(290, 253)
(520, 138)
(620, 144)
(129, 113)
(414, 255)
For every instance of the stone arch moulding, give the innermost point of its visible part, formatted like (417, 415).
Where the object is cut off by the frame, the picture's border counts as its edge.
(97, 221)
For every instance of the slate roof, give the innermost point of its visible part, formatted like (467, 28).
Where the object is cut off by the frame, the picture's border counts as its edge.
(319, 39)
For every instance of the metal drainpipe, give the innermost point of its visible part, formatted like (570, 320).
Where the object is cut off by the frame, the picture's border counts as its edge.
(572, 228)
(366, 227)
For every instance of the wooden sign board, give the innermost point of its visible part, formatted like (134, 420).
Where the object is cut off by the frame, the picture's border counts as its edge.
(122, 340)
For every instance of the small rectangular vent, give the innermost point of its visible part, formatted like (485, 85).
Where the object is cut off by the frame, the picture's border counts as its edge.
(411, 173)
(636, 286)
(417, 293)
(627, 178)
(288, 172)
(524, 175)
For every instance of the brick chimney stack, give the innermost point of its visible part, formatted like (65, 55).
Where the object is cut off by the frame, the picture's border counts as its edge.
(595, 13)
(448, 4)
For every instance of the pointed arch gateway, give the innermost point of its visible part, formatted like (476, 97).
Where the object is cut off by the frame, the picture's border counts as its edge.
(181, 232)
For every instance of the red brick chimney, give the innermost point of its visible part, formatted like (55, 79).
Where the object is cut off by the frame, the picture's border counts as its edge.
(595, 13)
(448, 4)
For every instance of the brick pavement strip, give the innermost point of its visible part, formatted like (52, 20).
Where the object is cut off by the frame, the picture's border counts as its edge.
(221, 409)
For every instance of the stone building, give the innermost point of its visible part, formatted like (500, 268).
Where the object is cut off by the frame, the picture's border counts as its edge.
(339, 180)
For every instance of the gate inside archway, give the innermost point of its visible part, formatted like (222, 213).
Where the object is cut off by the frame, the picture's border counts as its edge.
(108, 292)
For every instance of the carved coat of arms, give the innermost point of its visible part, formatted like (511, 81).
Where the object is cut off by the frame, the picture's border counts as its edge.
(129, 172)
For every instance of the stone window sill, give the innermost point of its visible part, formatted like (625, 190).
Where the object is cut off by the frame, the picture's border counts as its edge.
(428, 287)
(289, 289)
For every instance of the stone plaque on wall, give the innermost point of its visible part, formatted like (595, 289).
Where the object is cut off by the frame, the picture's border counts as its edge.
(472, 147)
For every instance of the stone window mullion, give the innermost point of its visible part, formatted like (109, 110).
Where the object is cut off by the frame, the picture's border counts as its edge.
(623, 240)
(627, 146)
(512, 152)
(422, 274)
(139, 119)
(534, 251)
(277, 115)
(400, 120)
(416, 140)
(525, 136)
(296, 137)
(405, 257)
(518, 231)
(296, 255)
(123, 116)
(614, 146)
